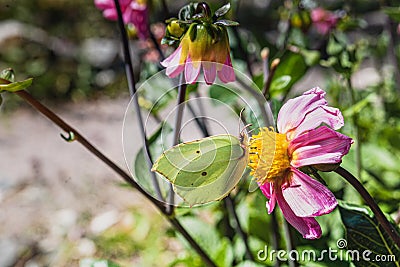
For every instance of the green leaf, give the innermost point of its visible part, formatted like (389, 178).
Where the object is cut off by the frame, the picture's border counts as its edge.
(96, 263)
(222, 10)
(363, 232)
(226, 22)
(279, 84)
(292, 65)
(393, 13)
(16, 86)
(208, 238)
(224, 255)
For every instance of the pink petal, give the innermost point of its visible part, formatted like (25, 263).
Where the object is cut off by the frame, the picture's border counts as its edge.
(294, 110)
(308, 197)
(172, 63)
(315, 118)
(320, 146)
(268, 191)
(210, 72)
(226, 74)
(307, 226)
(104, 4)
(191, 73)
(110, 14)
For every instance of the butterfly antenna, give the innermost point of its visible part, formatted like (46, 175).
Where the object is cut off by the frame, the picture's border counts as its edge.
(240, 120)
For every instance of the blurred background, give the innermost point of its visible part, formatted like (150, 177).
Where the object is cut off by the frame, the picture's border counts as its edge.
(60, 206)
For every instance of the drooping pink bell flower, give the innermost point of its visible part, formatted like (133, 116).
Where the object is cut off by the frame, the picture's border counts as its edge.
(306, 136)
(205, 51)
(324, 20)
(133, 11)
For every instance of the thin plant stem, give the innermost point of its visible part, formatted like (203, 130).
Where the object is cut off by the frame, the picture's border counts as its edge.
(289, 243)
(200, 122)
(386, 225)
(177, 132)
(132, 91)
(231, 209)
(267, 86)
(165, 8)
(275, 236)
(157, 45)
(202, 111)
(357, 128)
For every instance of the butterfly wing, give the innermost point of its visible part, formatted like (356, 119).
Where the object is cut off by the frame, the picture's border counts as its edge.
(204, 170)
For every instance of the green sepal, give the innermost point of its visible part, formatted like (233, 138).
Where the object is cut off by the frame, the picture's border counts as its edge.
(222, 10)
(193, 32)
(16, 86)
(226, 22)
(186, 13)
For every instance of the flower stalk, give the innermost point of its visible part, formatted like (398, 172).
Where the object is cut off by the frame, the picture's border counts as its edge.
(132, 91)
(387, 226)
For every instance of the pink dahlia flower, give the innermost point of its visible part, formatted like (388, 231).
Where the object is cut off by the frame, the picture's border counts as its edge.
(306, 136)
(211, 53)
(133, 11)
(323, 20)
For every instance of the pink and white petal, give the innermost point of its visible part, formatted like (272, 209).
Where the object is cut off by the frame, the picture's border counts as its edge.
(191, 73)
(268, 191)
(307, 226)
(104, 4)
(319, 146)
(315, 118)
(110, 14)
(227, 74)
(210, 72)
(308, 197)
(172, 59)
(172, 63)
(294, 110)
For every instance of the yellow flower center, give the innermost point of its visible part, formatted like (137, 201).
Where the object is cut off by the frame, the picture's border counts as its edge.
(269, 159)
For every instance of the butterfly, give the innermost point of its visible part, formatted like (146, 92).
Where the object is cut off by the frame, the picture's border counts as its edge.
(204, 170)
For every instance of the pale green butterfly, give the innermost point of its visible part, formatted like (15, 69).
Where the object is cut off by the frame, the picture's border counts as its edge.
(205, 170)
